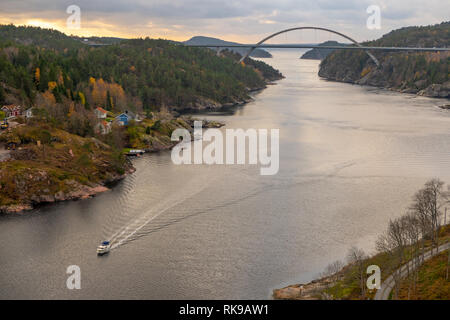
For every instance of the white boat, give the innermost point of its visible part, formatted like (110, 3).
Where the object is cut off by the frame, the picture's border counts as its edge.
(136, 151)
(103, 248)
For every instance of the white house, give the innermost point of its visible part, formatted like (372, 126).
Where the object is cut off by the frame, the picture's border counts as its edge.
(103, 127)
(100, 113)
(28, 113)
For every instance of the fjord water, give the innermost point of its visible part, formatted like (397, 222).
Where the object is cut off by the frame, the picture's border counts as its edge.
(350, 159)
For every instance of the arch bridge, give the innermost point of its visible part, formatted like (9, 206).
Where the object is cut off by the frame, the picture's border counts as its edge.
(356, 46)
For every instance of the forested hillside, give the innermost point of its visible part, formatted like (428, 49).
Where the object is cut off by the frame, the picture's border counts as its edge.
(422, 73)
(199, 40)
(43, 38)
(320, 54)
(44, 67)
(69, 148)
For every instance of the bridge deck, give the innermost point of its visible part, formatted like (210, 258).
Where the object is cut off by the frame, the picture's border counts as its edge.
(311, 46)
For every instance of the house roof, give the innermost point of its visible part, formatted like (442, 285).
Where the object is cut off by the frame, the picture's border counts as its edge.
(104, 124)
(124, 114)
(101, 110)
(11, 107)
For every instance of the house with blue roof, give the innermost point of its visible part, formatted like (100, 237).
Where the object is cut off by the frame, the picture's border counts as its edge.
(122, 119)
(125, 117)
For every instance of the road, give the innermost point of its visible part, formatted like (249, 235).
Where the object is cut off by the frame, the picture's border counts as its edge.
(387, 286)
(4, 154)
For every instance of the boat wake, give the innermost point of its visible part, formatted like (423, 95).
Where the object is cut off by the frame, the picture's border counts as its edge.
(144, 211)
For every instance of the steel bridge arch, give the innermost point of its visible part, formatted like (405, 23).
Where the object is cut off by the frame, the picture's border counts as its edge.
(375, 60)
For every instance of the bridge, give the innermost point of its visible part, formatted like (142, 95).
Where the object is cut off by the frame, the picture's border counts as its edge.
(355, 46)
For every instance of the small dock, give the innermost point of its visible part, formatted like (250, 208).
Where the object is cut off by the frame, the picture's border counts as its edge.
(134, 153)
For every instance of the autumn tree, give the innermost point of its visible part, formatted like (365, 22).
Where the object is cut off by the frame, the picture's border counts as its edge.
(357, 257)
(413, 232)
(333, 269)
(427, 205)
(111, 96)
(393, 242)
(434, 190)
(37, 76)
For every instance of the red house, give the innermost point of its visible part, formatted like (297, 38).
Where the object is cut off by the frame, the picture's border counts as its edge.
(12, 110)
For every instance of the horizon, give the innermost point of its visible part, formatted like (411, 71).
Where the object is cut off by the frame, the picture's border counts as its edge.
(238, 22)
(65, 32)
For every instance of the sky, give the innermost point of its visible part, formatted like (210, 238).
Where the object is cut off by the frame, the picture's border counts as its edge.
(233, 20)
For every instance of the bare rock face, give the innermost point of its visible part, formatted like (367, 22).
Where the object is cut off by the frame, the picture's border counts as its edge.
(202, 104)
(78, 191)
(311, 291)
(437, 90)
(15, 208)
(289, 293)
(421, 84)
(98, 189)
(416, 73)
(409, 90)
(377, 77)
(24, 154)
(60, 196)
(84, 192)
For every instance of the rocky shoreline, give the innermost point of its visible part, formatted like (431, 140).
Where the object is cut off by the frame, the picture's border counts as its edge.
(159, 147)
(391, 75)
(421, 73)
(66, 167)
(203, 104)
(441, 91)
(79, 192)
(313, 290)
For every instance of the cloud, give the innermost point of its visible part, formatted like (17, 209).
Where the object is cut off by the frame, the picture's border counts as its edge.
(244, 20)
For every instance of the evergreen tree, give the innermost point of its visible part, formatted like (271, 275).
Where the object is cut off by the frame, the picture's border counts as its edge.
(2, 95)
(109, 106)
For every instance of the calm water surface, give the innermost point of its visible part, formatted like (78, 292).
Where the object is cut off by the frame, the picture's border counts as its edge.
(350, 159)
